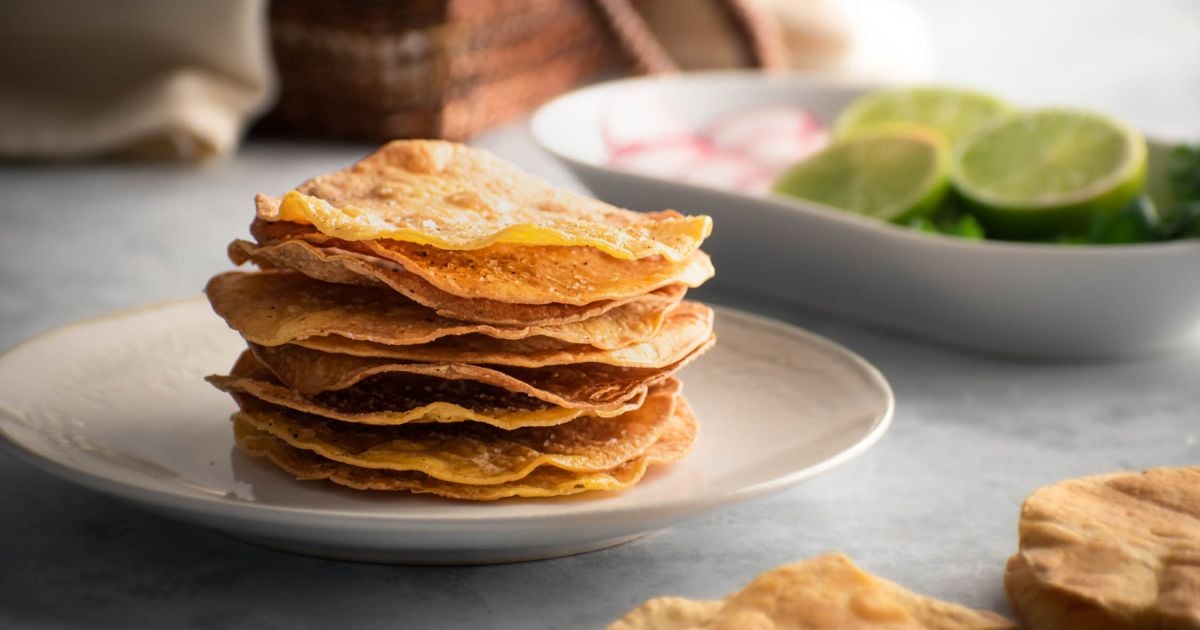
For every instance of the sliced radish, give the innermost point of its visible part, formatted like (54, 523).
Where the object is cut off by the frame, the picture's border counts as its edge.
(725, 170)
(743, 127)
(757, 184)
(743, 150)
(670, 159)
(776, 153)
(774, 135)
(638, 119)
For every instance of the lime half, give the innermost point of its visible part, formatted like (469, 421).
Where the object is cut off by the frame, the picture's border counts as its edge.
(953, 113)
(894, 175)
(1041, 173)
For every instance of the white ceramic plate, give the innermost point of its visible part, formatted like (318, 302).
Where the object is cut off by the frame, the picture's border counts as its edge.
(117, 404)
(1011, 298)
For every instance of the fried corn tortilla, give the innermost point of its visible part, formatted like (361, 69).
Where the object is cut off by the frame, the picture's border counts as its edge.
(519, 274)
(273, 308)
(687, 325)
(1118, 551)
(821, 593)
(331, 264)
(593, 387)
(412, 399)
(471, 453)
(676, 440)
(455, 197)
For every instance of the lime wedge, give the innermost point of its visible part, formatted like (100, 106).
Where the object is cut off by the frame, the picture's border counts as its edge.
(894, 175)
(1042, 173)
(954, 113)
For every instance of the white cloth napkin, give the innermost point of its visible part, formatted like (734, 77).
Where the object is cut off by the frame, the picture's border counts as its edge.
(165, 78)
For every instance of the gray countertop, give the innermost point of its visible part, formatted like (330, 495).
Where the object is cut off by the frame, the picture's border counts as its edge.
(933, 506)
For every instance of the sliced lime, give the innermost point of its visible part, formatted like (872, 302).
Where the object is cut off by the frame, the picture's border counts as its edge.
(894, 175)
(954, 113)
(1040, 173)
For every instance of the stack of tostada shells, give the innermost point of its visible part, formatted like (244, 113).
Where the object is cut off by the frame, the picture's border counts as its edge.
(433, 319)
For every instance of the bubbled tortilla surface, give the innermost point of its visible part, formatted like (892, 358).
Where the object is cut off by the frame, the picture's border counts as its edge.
(412, 399)
(675, 441)
(520, 274)
(332, 264)
(820, 593)
(594, 387)
(456, 197)
(473, 453)
(687, 326)
(272, 308)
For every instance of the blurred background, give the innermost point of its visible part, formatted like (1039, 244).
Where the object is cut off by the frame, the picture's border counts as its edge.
(184, 80)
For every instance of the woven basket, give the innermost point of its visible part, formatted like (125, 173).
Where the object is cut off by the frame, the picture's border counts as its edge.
(376, 69)
(381, 69)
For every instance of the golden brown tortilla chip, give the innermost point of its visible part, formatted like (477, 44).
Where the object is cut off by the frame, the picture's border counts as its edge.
(679, 436)
(272, 308)
(672, 613)
(400, 401)
(823, 592)
(518, 274)
(593, 387)
(687, 325)
(455, 197)
(472, 453)
(1118, 551)
(675, 441)
(331, 264)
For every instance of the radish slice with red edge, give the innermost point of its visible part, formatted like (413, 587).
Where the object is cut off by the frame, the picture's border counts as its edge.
(777, 153)
(637, 120)
(742, 150)
(726, 171)
(758, 184)
(774, 135)
(671, 159)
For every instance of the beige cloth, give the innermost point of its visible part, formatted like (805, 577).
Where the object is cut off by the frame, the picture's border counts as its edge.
(167, 78)
(870, 39)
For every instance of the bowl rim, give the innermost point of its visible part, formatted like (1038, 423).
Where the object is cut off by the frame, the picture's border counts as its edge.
(822, 80)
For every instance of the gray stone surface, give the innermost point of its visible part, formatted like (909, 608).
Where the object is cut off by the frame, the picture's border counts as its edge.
(933, 505)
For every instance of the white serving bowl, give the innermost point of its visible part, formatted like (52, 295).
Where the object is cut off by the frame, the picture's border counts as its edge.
(1026, 299)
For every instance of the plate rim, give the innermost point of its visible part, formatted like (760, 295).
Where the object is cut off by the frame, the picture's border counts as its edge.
(209, 505)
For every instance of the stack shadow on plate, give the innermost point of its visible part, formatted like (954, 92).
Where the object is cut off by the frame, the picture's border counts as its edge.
(434, 320)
